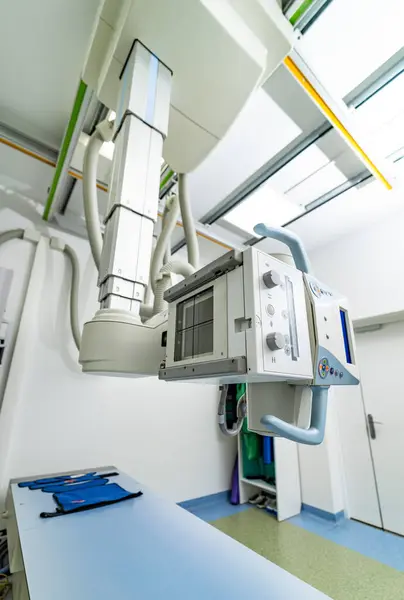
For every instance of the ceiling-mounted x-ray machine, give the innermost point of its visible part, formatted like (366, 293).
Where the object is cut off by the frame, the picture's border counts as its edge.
(177, 74)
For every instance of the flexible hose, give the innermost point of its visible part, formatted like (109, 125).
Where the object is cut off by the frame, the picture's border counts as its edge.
(74, 295)
(74, 289)
(158, 254)
(221, 413)
(13, 234)
(90, 200)
(174, 266)
(148, 297)
(167, 253)
(178, 267)
(161, 286)
(188, 222)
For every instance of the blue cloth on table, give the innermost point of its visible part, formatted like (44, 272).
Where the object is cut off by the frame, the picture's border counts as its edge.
(39, 483)
(74, 485)
(88, 498)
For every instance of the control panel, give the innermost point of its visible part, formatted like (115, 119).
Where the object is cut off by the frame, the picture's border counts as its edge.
(324, 369)
(334, 355)
(282, 333)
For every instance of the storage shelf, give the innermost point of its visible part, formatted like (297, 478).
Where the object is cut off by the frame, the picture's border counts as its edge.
(260, 483)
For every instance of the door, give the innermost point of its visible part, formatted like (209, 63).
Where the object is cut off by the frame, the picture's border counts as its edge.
(360, 483)
(381, 361)
(371, 421)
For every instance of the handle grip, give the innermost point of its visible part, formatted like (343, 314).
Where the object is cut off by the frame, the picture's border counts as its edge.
(372, 428)
(291, 240)
(312, 436)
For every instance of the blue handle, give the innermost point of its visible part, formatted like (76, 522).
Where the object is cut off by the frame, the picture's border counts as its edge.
(291, 240)
(312, 436)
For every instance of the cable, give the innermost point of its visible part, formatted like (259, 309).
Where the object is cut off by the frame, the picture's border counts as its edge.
(188, 222)
(90, 200)
(221, 413)
(74, 295)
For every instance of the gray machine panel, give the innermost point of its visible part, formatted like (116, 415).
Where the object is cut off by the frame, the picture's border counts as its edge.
(226, 366)
(212, 271)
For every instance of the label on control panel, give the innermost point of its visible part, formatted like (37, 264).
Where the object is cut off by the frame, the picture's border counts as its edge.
(323, 368)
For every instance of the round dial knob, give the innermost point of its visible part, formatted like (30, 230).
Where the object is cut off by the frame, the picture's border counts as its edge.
(275, 341)
(271, 278)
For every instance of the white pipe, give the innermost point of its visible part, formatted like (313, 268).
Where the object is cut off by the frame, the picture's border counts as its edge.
(161, 286)
(146, 311)
(188, 222)
(6, 236)
(178, 267)
(158, 254)
(90, 195)
(164, 281)
(148, 297)
(13, 234)
(74, 295)
(167, 253)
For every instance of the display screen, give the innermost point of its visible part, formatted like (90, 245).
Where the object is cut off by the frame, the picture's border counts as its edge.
(194, 326)
(345, 335)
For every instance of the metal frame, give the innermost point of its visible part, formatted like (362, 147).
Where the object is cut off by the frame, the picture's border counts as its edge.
(334, 193)
(19, 141)
(71, 136)
(305, 17)
(384, 75)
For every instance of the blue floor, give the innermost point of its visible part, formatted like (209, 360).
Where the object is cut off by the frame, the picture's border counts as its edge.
(211, 508)
(382, 546)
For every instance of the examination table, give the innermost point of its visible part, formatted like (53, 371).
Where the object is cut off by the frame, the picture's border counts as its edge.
(143, 548)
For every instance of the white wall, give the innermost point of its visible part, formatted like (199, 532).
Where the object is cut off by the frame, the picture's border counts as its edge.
(366, 266)
(55, 418)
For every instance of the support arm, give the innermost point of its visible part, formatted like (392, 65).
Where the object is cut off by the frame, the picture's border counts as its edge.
(312, 436)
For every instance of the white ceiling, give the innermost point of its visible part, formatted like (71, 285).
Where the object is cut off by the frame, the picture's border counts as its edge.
(42, 50)
(21, 175)
(52, 40)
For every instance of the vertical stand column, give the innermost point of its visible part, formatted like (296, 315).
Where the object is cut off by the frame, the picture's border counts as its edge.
(141, 126)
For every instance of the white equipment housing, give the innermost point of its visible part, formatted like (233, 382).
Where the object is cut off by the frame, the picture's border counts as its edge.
(248, 317)
(218, 50)
(237, 327)
(177, 74)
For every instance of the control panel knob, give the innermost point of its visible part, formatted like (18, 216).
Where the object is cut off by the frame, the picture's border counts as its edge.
(271, 278)
(275, 341)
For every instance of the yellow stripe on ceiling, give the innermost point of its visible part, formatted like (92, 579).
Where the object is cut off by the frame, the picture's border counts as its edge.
(27, 152)
(334, 120)
(44, 160)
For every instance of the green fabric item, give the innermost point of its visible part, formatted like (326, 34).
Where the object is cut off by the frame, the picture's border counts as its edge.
(251, 445)
(253, 463)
